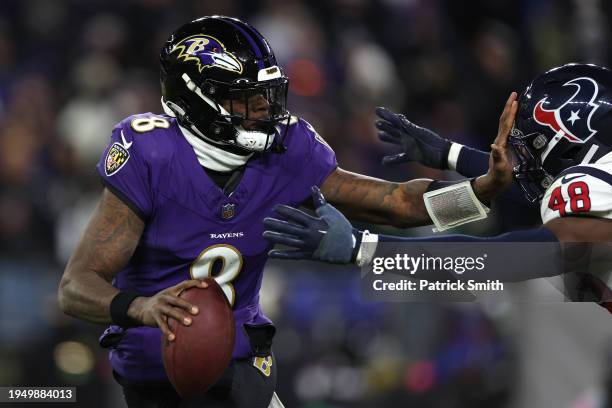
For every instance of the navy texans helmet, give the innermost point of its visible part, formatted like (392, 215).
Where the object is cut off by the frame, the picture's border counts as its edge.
(564, 119)
(215, 61)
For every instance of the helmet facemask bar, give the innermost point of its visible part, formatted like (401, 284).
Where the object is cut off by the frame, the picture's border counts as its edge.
(529, 172)
(227, 128)
(235, 103)
(272, 94)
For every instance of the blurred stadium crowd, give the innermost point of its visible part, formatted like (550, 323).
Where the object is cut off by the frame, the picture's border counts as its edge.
(70, 70)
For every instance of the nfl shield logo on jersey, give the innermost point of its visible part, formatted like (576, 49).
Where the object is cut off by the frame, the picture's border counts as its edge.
(228, 211)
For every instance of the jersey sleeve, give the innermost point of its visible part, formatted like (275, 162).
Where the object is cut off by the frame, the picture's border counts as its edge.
(125, 172)
(321, 159)
(579, 191)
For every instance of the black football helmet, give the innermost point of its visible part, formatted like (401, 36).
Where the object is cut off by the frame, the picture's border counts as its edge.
(214, 59)
(564, 119)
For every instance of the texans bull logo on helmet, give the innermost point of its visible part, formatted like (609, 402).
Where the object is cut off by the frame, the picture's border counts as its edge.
(207, 52)
(573, 116)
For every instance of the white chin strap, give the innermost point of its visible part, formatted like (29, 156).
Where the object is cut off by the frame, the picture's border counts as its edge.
(254, 141)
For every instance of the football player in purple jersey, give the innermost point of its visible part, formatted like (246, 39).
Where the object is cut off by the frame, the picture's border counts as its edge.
(185, 195)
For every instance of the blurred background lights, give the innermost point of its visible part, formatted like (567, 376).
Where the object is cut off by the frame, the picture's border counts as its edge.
(73, 357)
(306, 77)
(313, 383)
(327, 382)
(420, 376)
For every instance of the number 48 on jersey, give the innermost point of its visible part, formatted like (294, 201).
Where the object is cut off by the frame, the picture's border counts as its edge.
(576, 194)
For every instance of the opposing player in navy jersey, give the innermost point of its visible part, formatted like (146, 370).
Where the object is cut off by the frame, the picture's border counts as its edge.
(185, 195)
(561, 138)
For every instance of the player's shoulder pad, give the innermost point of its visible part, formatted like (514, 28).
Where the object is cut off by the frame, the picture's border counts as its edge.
(302, 132)
(594, 172)
(147, 135)
(584, 189)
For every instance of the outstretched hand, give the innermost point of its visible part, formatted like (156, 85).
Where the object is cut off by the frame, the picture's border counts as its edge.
(328, 237)
(500, 166)
(418, 144)
(499, 174)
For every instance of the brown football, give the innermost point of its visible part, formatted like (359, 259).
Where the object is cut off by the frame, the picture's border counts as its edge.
(199, 354)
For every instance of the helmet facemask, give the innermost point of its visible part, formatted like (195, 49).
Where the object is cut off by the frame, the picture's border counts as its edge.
(529, 172)
(238, 101)
(229, 105)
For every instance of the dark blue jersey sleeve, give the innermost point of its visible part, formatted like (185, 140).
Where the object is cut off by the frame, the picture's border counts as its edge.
(473, 163)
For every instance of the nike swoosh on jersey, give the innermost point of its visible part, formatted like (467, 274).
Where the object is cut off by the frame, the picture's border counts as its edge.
(124, 142)
(567, 179)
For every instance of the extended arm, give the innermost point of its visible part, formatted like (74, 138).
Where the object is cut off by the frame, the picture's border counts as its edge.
(426, 147)
(564, 230)
(368, 199)
(401, 204)
(330, 238)
(560, 247)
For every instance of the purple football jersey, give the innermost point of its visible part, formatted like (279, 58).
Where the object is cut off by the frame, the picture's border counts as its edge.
(193, 229)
